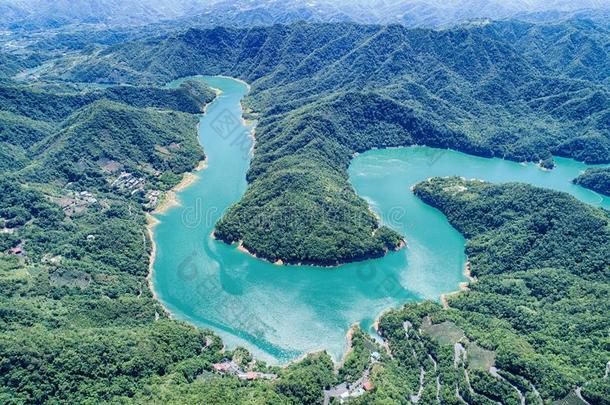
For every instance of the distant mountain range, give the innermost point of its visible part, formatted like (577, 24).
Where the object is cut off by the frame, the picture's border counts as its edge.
(51, 14)
(41, 14)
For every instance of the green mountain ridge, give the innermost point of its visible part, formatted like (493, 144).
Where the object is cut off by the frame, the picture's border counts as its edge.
(80, 325)
(325, 91)
(597, 179)
(34, 118)
(92, 134)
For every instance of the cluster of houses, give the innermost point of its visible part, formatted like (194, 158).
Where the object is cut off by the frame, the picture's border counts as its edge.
(230, 367)
(127, 181)
(153, 199)
(342, 392)
(76, 202)
(345, 390)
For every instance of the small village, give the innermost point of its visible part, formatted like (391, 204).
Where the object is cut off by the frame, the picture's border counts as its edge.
(76, 202)
(153, 197)
(128, 181)
(229, 367)
(345, 390)
(342, 392)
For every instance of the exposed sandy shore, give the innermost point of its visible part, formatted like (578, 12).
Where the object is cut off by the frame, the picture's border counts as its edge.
(151, 222)
(241, 248)
(280, 262)
(384, 342)
(401, 245)
(349, 336)
(168, 201)
(302, 357)
(463, 286)
(170, 198)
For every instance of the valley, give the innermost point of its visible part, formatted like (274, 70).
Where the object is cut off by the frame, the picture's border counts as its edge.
(203, 209)
(283, 312)
(320, 101)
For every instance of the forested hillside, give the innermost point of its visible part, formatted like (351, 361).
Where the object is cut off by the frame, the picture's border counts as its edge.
(537, 311)
(76, 315)
(324, 91)
(35, 120)
(80, 165)
(596, 179)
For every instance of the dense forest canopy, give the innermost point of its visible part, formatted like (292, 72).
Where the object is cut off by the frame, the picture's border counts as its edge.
(322, 92)
(78, 164)
(542, 265)
(39, 122)
(597, 179)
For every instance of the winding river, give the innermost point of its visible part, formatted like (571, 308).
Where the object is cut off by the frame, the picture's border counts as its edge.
(281, 312)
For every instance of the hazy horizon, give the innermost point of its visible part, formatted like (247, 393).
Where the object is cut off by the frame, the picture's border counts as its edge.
(49, 13)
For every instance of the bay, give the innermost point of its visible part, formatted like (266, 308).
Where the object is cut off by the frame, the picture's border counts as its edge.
(282, 312)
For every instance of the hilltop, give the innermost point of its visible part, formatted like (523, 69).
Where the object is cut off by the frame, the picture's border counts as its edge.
(322, 92)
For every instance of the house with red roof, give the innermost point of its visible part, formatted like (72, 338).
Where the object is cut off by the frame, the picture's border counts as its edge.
(17, 250)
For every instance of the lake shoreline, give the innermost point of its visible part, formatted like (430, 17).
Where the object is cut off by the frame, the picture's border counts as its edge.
(349, 336)
(281, 262)
(340, 328)
(463, 286)
(151, 223)
(168, 201)
(248, 86)
(171, 200)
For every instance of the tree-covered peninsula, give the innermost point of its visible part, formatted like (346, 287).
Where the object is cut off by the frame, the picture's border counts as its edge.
(597, 179)
(322, 92)
(536, 311)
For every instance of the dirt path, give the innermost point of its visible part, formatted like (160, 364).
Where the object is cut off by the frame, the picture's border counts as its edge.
(494, 371)
(422, 375)
(579, 395)
(458, 396)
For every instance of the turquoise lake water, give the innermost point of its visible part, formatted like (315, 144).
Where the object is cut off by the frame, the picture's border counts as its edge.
(282, 312)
